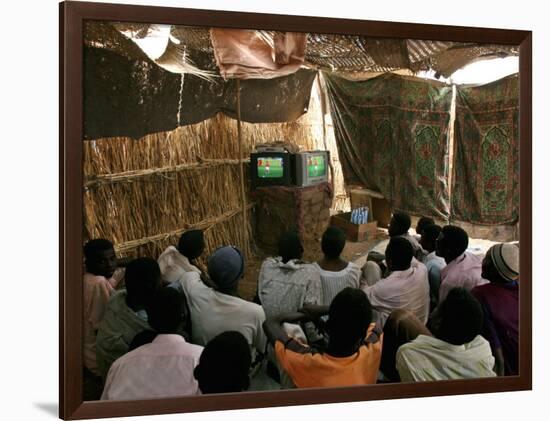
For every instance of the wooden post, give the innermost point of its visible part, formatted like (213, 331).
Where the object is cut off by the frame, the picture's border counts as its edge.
(322, 99)
(241, 165)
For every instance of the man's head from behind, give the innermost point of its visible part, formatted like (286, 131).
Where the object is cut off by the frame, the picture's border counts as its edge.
(191, 244)
(350, 315)
(423, 222)
(100, 258)
(165, 310)
(400, 223)
(459, 318)
(290, 246)
(226, 268)
(333, 242)
(451, 243)
(430, 233)
(224, 364)
(399, 254)
(501, 263)
(142, 280)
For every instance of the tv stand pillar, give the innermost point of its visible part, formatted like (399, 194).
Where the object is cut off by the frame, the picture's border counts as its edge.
(305, 210)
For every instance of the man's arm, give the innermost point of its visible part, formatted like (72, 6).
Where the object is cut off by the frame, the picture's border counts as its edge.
(314, 312)
(313, 289)
(273, 327)
(499, 362)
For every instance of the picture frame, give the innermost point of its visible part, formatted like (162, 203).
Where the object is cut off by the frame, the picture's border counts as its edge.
(72, 16)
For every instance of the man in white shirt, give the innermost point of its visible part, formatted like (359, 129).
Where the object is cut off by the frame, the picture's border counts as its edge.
(219, 308)
(455, 351)
(463, 269)
(405, 288)
(174, 262)
(163, 368)
(434, 264)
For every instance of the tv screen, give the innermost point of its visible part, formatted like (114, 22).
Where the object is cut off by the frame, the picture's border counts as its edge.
(316, 166)
(310, 167)
(270, 167)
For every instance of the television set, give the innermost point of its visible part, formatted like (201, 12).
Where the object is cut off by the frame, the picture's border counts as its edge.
(270, 168)
(311, 167)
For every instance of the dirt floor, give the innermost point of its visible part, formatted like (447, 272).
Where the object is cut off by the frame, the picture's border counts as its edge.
(352, 252)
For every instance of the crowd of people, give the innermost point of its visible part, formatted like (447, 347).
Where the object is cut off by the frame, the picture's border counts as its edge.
(427, 309)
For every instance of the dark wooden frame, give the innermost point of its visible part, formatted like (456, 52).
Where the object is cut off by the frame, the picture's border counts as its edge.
(71, 18)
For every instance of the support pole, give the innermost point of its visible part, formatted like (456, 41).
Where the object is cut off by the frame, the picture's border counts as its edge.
(241, 166)
(323, 101)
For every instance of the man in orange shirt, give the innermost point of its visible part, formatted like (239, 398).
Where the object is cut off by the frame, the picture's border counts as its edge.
(352, 356)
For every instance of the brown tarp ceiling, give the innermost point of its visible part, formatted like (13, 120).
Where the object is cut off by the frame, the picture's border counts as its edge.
(133, 97)
(129, 94)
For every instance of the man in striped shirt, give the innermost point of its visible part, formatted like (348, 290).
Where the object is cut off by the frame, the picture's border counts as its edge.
(336, 273)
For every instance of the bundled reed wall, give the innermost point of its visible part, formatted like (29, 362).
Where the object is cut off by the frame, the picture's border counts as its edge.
(143, 193)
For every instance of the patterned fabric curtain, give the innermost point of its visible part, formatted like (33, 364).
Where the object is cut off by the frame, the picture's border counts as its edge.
(485, 186)
(392, 136)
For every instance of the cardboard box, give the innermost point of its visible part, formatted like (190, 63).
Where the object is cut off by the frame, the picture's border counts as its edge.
(354, 232)
(379, 207)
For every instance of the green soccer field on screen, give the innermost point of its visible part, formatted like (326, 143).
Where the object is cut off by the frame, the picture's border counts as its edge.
(316, 166)
(270, 167)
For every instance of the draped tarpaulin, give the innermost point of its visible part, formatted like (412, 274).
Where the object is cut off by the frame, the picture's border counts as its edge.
(392, 134)
(249, 54)
(132, 97)
(486, 169)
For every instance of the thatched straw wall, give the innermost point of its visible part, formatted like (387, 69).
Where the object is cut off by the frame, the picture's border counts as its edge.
(143, 193)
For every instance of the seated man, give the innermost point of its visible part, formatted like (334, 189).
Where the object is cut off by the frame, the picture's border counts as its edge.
(400, 223)
(406, 287)
(160, 369)
(100, 281)
(126, 315)
(336, 273)
(499, 301)
(175, 262)
(432, 261)
(455, 351)
(423, 221)
(285, 283)
(463, 268)
(218, 309)
(352, 356)
(224, 364)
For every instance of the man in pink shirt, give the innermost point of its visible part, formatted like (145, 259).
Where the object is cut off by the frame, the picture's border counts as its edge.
(162, 368)
(463, 269)
(100, 281)
(406, 287)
